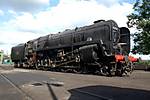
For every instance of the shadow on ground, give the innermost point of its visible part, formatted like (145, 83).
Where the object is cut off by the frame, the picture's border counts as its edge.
(101, 92)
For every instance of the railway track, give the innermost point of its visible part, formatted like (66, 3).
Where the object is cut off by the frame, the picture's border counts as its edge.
(25, 95)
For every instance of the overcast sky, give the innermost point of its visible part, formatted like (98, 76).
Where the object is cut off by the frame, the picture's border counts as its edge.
(23, 20)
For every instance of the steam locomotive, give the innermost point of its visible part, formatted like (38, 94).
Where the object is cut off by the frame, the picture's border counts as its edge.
(100, 48)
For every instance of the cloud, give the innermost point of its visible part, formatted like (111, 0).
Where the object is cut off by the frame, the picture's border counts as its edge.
(17, 37)
(9, 39)
(1, 13)
(12, 12)
(108, 3)
(2, 43)
(26, 22)
(68, 14)
(23, 5)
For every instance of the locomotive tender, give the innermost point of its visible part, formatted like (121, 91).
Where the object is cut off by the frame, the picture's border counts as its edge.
(101, 48)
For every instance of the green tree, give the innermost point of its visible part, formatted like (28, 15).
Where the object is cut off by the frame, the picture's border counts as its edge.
(140, 19)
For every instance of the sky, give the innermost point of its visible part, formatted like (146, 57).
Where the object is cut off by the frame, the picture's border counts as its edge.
(23, 20)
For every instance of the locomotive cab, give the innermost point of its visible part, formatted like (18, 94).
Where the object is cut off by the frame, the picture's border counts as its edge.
(125, 40)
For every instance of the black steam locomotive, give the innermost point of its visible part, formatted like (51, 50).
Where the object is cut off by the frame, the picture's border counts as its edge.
(101, 48)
